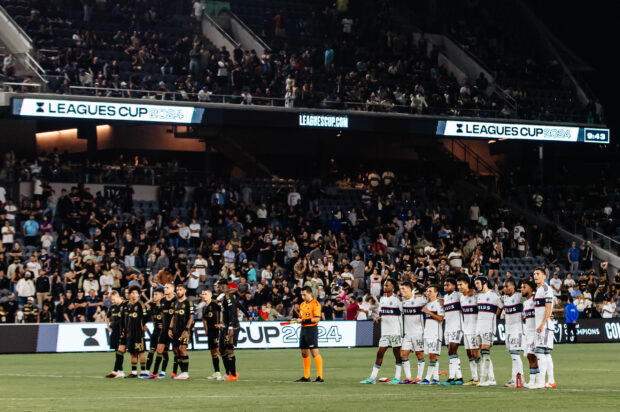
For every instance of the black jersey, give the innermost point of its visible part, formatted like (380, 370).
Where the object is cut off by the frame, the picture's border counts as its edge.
(157, 314)
(135, 318)
(229, 311)
(167, 309)
(116, 316)
(30, 312)
(211, 314)
(183, 315)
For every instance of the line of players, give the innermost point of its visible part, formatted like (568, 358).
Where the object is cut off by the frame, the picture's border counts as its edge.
(468, 315)
(172, 314)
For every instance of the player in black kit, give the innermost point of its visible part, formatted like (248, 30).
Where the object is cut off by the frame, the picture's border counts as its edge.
(229, 331)
(136, 317)
(157, 316)
(180, 329)
(211, 322)
(167, 310)
(115, 319)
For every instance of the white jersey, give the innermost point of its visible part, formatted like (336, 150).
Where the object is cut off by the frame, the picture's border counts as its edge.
(432, 328)
(391, 315)
(513, 307)
(544, 295)
(452, 309)
(413, 318)
(528, 312)
(488, 303)
(469, 307)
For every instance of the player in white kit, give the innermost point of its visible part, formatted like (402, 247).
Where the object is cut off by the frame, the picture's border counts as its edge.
(413, 325)
(453, 333)
(469, 308)
(543, 304)
(433, 315)
(527, 291)
(489, 306)
(513, 311)
(391, 330)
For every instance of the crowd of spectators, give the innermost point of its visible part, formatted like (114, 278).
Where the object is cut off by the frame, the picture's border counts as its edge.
(355, 57)
(61, 254)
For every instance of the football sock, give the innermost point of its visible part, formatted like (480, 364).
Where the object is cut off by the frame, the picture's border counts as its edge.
(158, 360)
(452, 366)
(134, 368)
(184, 363)
(175, 366)
(143, 367)
(486, 360)
(491, 371)
(216, 363)
(459, 374)
(226, 363)
(397, 371)
(542, 366)
(118, 364)
(473, 366)
(164, 365)
(551, 378)
(430, 371)
(307, 362)
(421, 363)
(318, 361)
(517, 365)
(436, 371)
(407, 368)
(149, 359)
(375, 371)
(233, 366)
(533, 373)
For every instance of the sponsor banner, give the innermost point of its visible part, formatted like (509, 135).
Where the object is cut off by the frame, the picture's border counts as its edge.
(76, 109)
(18, 338)
(587, 331)
(323, 120)
(82, 337)
(513, 131)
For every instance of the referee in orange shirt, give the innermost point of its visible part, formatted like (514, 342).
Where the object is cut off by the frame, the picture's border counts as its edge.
(310, 314)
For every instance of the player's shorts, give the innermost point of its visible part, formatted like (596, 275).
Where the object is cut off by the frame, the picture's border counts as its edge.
(545, 339)
(452, 336)
(394, 341)
(177, 340)
(432, 346)
(413, 342)
(485, 338)
(226, 342)
(164, 339)
(530, 343)
(213, 340)
(471, 342)
(309, 337)
(514, 342)
(155, 336)
(135, 344)
(114, 339)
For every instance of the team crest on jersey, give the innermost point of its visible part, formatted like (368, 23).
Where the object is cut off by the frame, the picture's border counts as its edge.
(134, 315)
(181, 312)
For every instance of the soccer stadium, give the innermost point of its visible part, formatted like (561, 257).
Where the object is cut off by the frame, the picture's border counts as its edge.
(294, 204)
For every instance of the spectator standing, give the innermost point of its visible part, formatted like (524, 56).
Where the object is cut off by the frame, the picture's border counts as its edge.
(8, 233)
(573, 258)
(352, 308)
(572, 314)
(609, 309)
(556, 285)
(31, 231)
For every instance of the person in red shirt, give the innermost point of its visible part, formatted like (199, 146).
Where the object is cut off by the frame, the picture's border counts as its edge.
(352, 309)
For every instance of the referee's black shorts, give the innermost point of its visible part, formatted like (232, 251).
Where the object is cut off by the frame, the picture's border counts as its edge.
(309, 337)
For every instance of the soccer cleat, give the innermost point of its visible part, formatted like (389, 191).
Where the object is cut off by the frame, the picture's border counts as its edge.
(172, 375)
(183, 376)
(319, 379)
(232, 378)
(221, 378)
(368, 381)
(406, 382)
(550, 385)
(120, 375)
(144, 375)
(111, 375)
(302, 379)
(425, 382)
(510, 384)
(417, 381)
(149, 377)
(449, 382)
(162, 375)
(488, 383)
(435, 382)
(214, 376)
(132, 376)
(393, 381)
(384, 380)
(457, 382)
(536, 386)
(471, 383)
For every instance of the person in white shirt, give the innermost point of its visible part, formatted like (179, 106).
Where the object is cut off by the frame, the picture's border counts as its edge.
(391, 331)
(413, 325)
(106, 281)
(455, 258)
(267, 274)
(2, 195)
(469, 308)
(293, 197)
(46, 240)
(10, 209)
(609, 309)
(529, 328)
(194, 229)
(434, 315)
(556, 285)
(33, 265)
(8, 233)
(518, 229)
(200, 267)
(184, 234)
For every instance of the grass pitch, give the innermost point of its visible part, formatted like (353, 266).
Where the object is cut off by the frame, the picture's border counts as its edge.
(588, 377)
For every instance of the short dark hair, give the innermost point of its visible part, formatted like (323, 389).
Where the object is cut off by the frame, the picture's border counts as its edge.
(136, 288)
(510, 280)
(307, 289)
(393, 282)
(435, 286)
(451, 280)
(530, 284)
(408, 284)
(465, 279)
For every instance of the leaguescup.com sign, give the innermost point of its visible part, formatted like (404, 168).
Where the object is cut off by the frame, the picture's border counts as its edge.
(76, 109)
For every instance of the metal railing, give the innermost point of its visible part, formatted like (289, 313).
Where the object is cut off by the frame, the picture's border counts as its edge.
(482, 165)
(23, 87)
(604, 240)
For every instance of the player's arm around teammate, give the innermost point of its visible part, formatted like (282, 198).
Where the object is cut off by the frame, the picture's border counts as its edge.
(310, 315)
